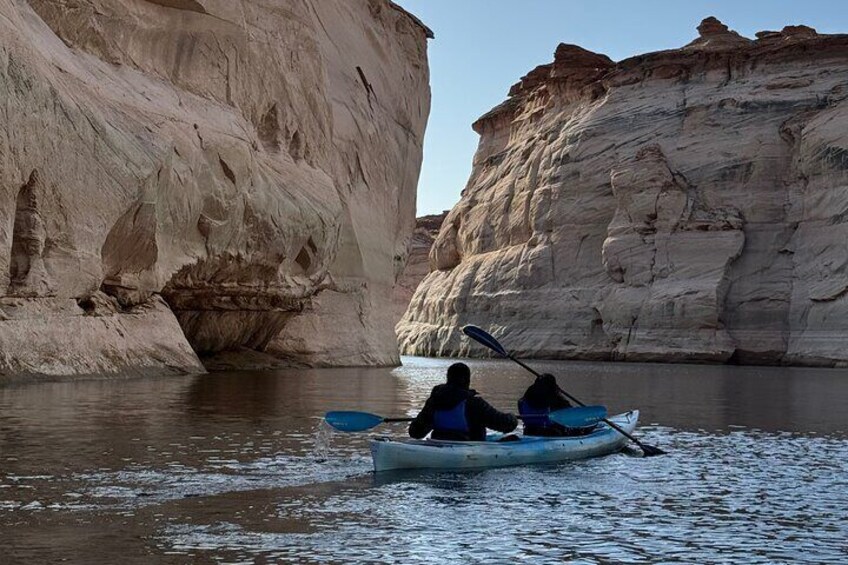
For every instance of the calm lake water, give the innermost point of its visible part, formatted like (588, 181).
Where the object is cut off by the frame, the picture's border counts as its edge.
(236, 468)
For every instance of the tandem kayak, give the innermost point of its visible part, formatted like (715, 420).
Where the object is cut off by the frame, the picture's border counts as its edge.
(389, 454)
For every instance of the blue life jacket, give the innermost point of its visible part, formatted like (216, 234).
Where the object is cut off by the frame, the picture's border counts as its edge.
(452, 421)
(534, 417)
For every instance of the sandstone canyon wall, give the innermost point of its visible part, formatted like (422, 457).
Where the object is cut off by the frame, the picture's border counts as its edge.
(189, 177)
(684, 205)
(418, 262)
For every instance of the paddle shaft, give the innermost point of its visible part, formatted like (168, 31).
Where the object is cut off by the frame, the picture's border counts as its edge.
(611, 424)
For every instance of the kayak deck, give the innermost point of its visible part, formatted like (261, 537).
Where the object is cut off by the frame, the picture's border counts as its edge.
(389, 454)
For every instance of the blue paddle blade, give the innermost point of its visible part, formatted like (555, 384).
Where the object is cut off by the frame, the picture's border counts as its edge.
(581, 417)
(346, 421)
(485, 338)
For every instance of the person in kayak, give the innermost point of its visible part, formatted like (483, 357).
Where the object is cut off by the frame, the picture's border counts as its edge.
(540, 399)
(455, 412)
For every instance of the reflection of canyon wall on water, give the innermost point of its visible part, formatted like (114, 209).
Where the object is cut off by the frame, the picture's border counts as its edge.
(684, 205)
(198, 177)
(104, 423)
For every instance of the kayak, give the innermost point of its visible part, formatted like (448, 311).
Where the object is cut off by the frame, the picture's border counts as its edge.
(391, 454)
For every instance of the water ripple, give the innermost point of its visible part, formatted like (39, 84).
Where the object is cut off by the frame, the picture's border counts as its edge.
(231, 468)
(741, 497)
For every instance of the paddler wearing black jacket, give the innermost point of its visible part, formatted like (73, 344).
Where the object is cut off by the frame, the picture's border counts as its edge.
(541, 398)
(455, 412)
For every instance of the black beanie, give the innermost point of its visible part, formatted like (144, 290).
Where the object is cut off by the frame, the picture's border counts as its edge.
(459, 375)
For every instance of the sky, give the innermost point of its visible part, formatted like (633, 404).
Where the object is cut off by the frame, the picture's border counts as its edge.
(482, 47)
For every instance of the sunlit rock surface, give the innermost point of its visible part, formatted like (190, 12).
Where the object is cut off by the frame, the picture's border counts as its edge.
(184, 177)
(684, 205)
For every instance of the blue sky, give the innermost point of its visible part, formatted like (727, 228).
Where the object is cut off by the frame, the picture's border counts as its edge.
(484, 46)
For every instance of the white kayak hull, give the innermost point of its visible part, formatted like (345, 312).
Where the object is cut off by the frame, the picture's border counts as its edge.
(391, 454)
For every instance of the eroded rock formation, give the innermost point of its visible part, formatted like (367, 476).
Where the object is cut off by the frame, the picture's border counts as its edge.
(418, 262)
(187, 176)
(685, 205)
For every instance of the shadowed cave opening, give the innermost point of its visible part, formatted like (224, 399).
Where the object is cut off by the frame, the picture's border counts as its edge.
(27, 273)
(303, 259)
(225, 303)
(227, 170)
(187, 5)
(230, 309)
(269, 129)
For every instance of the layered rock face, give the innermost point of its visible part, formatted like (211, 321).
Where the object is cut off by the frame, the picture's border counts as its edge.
(185, 177)
(418, 262)
(685, 205)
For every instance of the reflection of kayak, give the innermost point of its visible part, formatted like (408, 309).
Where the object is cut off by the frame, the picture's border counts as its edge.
(391, 454)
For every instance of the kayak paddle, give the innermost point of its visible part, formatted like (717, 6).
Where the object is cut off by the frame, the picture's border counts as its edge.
(349, 421)
(483, 337)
